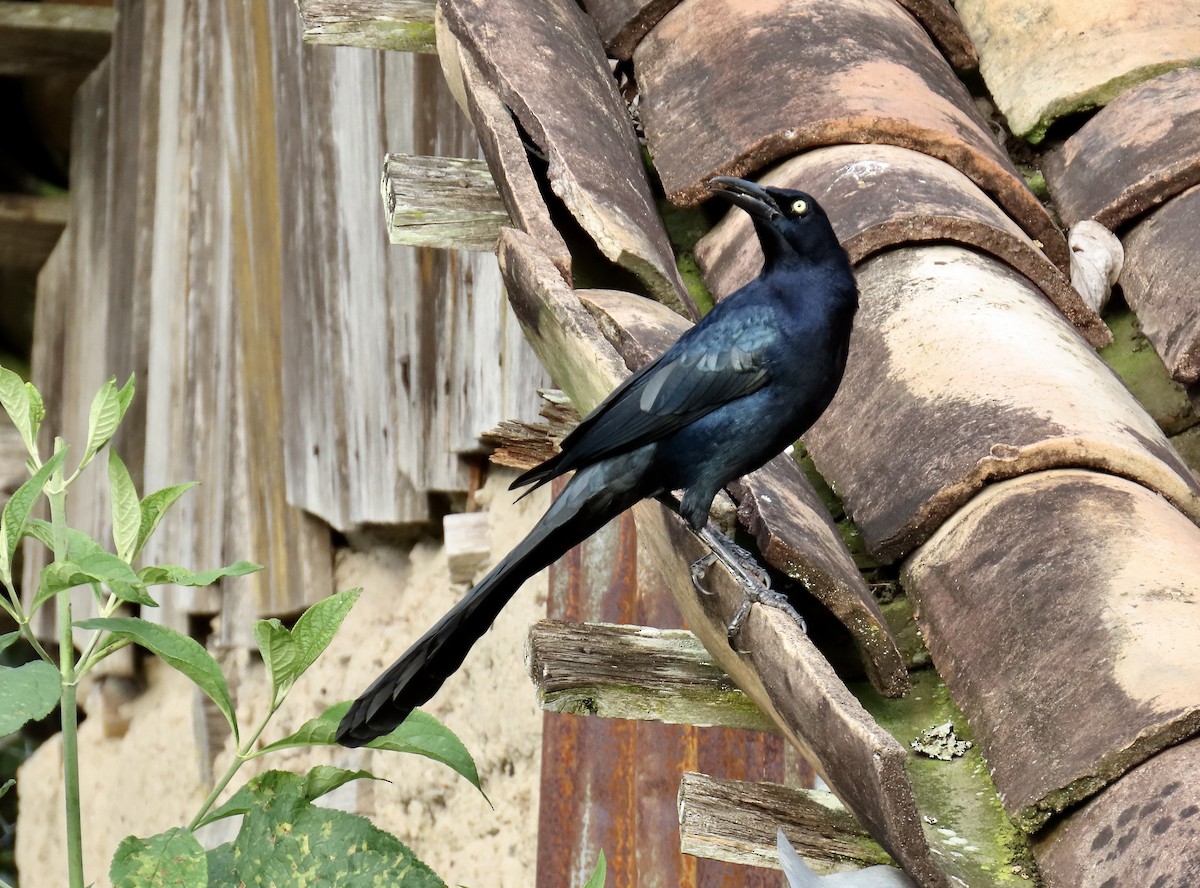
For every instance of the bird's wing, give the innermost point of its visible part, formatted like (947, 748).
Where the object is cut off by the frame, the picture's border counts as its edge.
(700, 373)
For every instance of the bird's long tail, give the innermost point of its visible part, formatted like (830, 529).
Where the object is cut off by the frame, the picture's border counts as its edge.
(593, 497)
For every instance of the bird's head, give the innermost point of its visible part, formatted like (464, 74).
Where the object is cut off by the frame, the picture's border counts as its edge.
(787, 221)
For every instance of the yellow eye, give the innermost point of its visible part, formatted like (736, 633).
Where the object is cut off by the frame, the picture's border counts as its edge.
(800, 207)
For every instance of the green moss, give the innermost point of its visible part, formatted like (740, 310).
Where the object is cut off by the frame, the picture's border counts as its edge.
(1134, 359)
(962, 817)
(1188, 445)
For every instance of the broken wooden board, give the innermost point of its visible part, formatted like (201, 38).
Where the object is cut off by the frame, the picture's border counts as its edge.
(776, 503)
(880, 196)
(399, 25)
(802, 694)
(959, 374)
(1042, 60)
(446, 202)
(38, 39)
(1071, 651)
(1161, 282)
(634, 672)
(736, 821)
(1137, 152)
(566, 99)
(1142, 830)
(878, 78)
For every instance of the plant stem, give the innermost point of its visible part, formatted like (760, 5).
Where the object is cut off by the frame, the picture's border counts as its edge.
(70, 723)
(244, 753)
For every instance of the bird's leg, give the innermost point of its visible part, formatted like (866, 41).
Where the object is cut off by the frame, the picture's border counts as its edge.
(753, 578)
(750, 575)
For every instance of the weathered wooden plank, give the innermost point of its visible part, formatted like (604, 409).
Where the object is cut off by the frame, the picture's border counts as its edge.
(30, 226)
(1042, 60)
(566, 99)
(1140, 150)
(1083, 639)
(401, 25)
(385, 389)
(53, 38)
(1139, 831)
(879, 79)
(881, 196)
(784, 673)
(959, 374)
(634, 672)
(736, 821)
(446, 202)
(1160, 282)
(523, 445)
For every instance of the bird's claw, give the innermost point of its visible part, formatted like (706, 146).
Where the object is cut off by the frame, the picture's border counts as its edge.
(699, 569)
(766, 596)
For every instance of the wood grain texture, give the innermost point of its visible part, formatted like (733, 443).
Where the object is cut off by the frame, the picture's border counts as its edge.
(879, 78)
(736, 821)
(445, 202)
(880, 196)
(30, 226)
(1138, 151)
(960, 374)
(397, 25)
(1070, 652)
(37, 39)
(634, 672)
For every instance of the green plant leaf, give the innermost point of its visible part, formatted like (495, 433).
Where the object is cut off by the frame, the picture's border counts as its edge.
(279, 653)
(161, 574)
(179, 652)
(598, 874)
(317, 626)
(7, 640)
(419, 734)
(15, 396)
(27, 693)
(283, 834)
(288, 655)
(126, 511)
(107, 411)
(154, 506)
(17, 509)
(8, 784)
(173, 859)
(323, 779)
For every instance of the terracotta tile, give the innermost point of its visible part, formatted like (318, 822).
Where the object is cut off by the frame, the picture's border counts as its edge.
(777, 504)
(1161, 282)
(1042, 59)
(623, 23)
(946, 28)
(1137, 152)
(841, 71)
(881, 196)
(960, 373)
(1143, 830)
(1063, 611)
(547, 65)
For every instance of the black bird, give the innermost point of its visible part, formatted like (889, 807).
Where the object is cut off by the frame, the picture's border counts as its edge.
(734, 391)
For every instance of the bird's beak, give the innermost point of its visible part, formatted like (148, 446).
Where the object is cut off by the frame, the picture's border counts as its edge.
(751, 197)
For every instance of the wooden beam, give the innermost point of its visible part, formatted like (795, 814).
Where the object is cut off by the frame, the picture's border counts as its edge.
(448, 202)
(401, 25)
(635, 672)
(30, 226)
(52, 38)
(736, 821)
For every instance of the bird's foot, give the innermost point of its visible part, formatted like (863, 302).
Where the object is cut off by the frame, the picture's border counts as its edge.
(699, 568)
(753, 578)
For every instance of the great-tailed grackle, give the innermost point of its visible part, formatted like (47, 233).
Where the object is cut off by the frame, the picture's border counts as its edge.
(734, 391)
